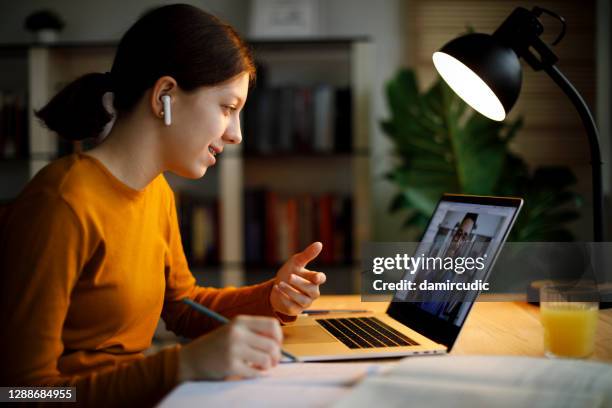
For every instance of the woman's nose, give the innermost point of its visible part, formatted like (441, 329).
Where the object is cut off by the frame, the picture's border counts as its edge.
(233, 134)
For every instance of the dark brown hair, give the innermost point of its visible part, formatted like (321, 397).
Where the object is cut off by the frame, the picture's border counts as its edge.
(182, 41)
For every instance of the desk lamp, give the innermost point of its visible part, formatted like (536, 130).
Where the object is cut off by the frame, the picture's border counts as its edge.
(484, 70)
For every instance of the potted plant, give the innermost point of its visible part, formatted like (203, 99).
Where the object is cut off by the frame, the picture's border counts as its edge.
(442, 145)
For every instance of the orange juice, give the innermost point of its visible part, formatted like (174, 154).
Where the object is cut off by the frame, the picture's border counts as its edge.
(569, 328)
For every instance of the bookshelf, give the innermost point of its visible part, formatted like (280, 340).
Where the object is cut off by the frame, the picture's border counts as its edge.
(14, 149)
(332, 168)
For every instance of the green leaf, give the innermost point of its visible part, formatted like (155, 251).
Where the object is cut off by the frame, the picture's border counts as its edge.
(399, 202)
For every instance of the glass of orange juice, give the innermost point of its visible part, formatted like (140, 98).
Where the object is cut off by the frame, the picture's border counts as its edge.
(569, 316)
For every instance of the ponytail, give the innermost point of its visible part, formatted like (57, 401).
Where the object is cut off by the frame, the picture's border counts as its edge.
(76, 112)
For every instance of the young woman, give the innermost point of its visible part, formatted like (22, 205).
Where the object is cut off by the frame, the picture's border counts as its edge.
(90, 251)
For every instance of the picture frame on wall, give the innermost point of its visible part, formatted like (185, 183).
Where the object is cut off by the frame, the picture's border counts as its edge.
(284, 18)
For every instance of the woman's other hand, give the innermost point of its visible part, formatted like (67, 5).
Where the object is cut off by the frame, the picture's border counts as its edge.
(296, 287)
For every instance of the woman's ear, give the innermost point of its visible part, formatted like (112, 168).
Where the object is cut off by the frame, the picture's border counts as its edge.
(164, 86)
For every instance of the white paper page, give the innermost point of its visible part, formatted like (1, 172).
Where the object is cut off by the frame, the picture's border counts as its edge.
(473, 381)
(569, 375)
(398, 392)
(322, 373)
(192, 395)
(295, 385)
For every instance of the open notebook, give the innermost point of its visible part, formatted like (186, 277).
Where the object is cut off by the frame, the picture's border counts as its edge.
(472, 381)
(434, 381)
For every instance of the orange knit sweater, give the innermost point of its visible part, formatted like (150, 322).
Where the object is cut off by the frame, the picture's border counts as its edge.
(87, 266)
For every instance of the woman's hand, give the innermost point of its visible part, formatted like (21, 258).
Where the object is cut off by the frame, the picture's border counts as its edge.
(243, 347)
(296, 287)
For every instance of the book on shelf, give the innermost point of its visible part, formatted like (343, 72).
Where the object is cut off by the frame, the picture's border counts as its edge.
(279, 225)
(324, 118)
(199, 227)
(285, 119)
(298, 119)
(14, 141)
(343, 120)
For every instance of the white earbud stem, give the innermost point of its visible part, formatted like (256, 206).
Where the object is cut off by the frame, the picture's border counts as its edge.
(167, 110)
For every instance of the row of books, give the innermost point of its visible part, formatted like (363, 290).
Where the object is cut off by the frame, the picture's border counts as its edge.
(298, 119)
(278, 226)
(13, 125)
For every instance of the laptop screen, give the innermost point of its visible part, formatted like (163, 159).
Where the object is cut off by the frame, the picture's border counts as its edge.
(461, 227)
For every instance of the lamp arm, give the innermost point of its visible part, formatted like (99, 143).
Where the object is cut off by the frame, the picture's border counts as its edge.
(591, 129)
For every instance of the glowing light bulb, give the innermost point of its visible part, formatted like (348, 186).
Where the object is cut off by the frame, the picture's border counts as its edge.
(473, 90)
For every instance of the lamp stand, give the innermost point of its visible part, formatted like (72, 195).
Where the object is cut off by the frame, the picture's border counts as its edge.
(521, 31)
(592, 135)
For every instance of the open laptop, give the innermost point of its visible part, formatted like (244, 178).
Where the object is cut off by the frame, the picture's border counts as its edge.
(413, 327)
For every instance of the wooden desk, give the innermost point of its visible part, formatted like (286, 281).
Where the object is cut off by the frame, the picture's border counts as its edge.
(493, 328)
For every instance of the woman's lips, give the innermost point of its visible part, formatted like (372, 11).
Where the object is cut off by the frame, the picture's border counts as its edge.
(212, 157)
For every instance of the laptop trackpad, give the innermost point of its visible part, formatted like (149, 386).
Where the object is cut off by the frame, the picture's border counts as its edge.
(306, 334)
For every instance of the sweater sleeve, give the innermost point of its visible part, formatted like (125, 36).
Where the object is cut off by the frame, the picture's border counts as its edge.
(229, 302)
(43, 248)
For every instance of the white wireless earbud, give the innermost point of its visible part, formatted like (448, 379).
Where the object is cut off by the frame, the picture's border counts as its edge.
(167, 112)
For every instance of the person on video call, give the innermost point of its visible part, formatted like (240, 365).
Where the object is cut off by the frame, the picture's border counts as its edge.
(462, 236)
(446, 302)
(459, 247)
(90, 251)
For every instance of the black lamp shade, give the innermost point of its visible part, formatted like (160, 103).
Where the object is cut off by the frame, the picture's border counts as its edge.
(496, 65)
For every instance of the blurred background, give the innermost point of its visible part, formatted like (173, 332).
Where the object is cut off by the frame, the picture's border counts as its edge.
(330, 150)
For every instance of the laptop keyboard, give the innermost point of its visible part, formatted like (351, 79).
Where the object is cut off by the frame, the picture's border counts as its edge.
(365, 332)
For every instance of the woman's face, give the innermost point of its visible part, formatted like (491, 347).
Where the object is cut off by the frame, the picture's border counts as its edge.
(203, 122)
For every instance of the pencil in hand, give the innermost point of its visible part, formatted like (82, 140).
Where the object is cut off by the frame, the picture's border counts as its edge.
(224, 320)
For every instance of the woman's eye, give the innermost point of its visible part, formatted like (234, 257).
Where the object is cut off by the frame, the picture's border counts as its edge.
(227, 109)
